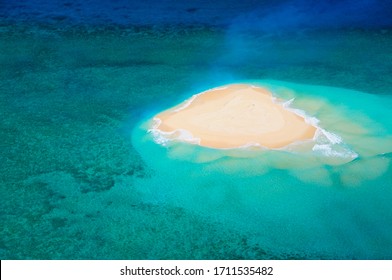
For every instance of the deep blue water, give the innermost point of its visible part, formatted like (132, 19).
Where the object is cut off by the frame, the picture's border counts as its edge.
(81, 178)
(254, 14)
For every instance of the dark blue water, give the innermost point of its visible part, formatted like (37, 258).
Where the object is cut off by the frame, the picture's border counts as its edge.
(253, 14)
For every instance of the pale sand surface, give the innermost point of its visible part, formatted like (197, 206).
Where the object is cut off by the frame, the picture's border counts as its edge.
(236, 115)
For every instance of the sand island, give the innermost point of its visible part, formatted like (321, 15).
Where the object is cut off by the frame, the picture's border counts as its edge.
(233, 116)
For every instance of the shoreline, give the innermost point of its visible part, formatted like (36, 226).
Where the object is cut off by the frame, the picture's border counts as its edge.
(233, 116)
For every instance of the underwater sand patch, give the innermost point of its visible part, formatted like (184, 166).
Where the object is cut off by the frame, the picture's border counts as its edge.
(344, 139)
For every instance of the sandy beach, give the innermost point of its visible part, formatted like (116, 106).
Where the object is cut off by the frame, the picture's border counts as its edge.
(233, 116)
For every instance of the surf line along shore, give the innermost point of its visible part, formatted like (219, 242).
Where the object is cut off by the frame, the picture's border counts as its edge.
(233, 116)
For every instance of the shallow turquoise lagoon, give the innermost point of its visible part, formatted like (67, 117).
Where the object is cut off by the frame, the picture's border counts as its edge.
(82, 178)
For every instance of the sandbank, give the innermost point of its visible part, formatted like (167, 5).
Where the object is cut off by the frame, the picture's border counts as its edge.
(234, 116)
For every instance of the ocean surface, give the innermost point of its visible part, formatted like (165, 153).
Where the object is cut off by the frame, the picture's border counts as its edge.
(82, 177)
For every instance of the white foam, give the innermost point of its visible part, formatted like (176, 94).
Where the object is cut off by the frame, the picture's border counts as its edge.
(324, 142)
(185, 135)
(189, 101)
(186, 103)
(287, 103)
(158, 137)
(331, 151)
(308, 119)
(250, 145)
(163, 138)
(156, 122)
(328, 137)
(217, 88)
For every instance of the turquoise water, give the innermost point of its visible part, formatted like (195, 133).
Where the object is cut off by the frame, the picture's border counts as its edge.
(81, 177)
